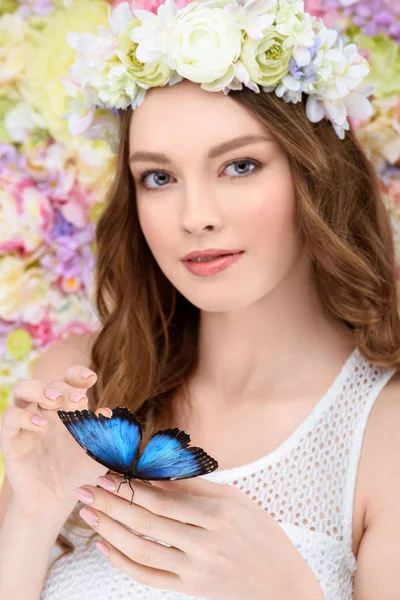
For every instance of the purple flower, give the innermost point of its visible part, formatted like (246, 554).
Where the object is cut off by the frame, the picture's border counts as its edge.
(28, 8)
(10, 160)
(61, 226)
(57, 187)
(308, 73)
(376, 16)
(70, 255)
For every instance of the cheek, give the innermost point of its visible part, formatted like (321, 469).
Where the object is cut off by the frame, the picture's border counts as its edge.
(271, 218)
(157, 227)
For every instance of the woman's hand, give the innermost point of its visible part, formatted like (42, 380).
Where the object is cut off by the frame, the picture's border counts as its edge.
(44, 463)
(222, 545)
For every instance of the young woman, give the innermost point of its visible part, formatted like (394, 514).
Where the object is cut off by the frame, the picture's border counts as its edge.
(281, 361)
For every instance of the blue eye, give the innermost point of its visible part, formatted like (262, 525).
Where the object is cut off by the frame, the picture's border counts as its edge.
(164, 174)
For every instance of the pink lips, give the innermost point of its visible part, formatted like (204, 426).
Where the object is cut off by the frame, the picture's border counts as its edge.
(213, 266)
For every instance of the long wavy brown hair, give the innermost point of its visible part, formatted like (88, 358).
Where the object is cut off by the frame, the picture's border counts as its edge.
(146, 349)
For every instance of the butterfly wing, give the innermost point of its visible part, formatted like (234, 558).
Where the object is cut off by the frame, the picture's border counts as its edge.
(112, 442)
(167, 456)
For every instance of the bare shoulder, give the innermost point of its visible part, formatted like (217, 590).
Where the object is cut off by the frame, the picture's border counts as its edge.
(380, 458)
(378, 555)
(75, 349)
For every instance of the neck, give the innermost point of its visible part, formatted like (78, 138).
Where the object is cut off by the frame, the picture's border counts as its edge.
(275, 345)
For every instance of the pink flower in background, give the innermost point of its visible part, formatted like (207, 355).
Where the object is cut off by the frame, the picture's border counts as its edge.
(151, 5)
(76, 209)
(26, 215)
(327, 10)
(42, 333)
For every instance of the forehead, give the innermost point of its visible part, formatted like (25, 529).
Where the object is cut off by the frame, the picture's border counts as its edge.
(185, 115)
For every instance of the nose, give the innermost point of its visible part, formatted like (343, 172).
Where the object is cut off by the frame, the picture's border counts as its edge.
(200, 210)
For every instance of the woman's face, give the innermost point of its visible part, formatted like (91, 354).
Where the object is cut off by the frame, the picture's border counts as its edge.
(196, 197)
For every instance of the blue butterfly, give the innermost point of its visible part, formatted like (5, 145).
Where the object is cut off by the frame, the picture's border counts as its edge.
(114, 442)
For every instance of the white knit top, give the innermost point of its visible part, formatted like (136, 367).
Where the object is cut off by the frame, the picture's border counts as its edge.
(307, 484)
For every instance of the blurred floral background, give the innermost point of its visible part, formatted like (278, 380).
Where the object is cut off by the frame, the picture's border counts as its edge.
(52, 185)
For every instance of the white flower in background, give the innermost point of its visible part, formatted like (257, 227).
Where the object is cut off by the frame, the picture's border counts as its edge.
(105, 127)
(21, 120)
(203, 44)
(11, 370)
(82, 106)
(254, 17)
(152, 36)
(23, 291)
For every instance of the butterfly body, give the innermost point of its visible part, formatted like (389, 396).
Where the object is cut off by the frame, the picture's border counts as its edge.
(114, 442)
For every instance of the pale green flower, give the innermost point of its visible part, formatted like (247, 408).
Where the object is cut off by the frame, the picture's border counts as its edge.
(266, 61)
(8, 6)
(19, 344)
(384, 59)
(150, 74)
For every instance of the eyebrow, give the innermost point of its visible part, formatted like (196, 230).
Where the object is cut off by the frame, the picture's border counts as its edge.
(243, 140)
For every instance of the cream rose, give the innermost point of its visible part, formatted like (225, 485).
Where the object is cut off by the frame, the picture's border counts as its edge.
(203, 43)
(266, 61)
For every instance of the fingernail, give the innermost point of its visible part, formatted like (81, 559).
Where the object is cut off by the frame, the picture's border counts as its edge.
(107, 484)
(103, 548)
(87, 373)
(37, 420)
(76, 396)
(52, 394)
(89, 516)
(84, 495)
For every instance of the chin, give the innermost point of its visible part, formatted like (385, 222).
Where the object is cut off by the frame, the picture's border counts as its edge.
(222, 300)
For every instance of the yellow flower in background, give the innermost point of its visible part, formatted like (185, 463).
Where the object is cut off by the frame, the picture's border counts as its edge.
(23, 292)
(5, 396)
(52, 58)
(15, 48)
(19, 344)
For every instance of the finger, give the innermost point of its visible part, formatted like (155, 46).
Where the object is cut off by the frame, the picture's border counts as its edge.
(166, 531)
(106, 412)
(15, 419)
(204, 487)
(138, 549)
(197, 486)
(72, 398)
(144, 575)
(32, 393)
(187, 508)
(79, 376)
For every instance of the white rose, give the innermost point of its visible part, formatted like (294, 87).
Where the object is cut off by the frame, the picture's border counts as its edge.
(203, 43)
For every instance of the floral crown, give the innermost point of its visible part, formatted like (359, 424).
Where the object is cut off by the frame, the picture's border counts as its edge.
(223, 45)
